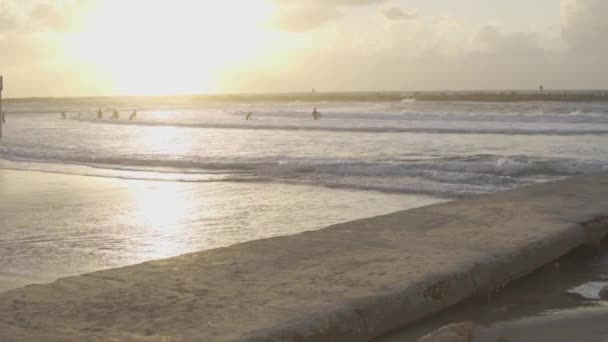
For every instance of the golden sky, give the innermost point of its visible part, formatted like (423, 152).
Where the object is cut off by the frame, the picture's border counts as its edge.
(157, 47)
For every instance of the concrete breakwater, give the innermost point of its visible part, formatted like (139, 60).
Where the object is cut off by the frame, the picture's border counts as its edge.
(348, 282)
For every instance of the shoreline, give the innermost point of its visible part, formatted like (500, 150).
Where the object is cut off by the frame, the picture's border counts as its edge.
(56, 225)
(351, 281)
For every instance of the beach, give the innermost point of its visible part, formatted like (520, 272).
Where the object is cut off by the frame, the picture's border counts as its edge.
(81, 195)
(307, 171)
(191, 174)
(351, 281)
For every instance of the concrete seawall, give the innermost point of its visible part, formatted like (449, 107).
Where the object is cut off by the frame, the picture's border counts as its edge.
(348, 282)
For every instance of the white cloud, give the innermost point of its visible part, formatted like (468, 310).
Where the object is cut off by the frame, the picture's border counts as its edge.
(396, 13)
(8, 20)
(584, 25)
(344, 45)
(305, 15)
(297, 18)
(491, 41)
(329, 2)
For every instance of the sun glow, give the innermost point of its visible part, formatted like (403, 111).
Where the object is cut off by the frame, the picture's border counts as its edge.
(153, 47)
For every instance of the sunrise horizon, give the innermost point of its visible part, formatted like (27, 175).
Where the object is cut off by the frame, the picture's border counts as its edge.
(303, 170)
(135, 47)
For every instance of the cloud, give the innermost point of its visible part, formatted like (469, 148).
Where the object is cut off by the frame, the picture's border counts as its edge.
(329, 3)
(584, 25)
(42, 16)
(490, 40)
(306, 15)
(62, 16)
(8, 22)
(395, 13)
(49, 17)
(304, 18)
(338, 45)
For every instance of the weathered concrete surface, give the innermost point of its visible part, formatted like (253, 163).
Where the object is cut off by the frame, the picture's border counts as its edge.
(348, 282)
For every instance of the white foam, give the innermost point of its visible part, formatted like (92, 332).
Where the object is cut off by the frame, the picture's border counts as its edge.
(444, 149)
(589, 290)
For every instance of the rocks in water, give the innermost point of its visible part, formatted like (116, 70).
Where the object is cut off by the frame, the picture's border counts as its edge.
(604, 293)
(458, 332)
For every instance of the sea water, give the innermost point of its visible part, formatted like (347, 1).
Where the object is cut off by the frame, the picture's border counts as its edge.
(196, 175)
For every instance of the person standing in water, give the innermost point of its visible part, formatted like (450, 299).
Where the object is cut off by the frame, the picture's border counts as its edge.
(115, 114)
(249, 116)
(63, 115)
(99, 114)
(3, 116)
(133, 115)
(315, 114)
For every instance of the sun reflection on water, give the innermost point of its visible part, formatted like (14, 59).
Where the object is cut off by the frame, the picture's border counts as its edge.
(168, 141)
(162, 210)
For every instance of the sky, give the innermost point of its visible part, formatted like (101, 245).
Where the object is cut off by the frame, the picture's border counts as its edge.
(165, 47)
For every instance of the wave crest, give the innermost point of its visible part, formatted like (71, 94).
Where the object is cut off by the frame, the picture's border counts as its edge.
(458, 176)
(371, 129)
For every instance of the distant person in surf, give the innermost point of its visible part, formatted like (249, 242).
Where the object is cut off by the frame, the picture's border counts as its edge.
(99, 114)
(315, 114)
(3, 117)
(63, 116)
(133, 115)
(115, 114)
(249, 116)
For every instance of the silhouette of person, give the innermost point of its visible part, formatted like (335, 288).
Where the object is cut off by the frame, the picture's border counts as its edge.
(115, 114)
(248, 116)
(315, 114)
(99, 114)
(63, 115)
(133, 115)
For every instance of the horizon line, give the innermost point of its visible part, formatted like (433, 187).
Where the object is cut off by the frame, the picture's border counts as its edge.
(211, 94)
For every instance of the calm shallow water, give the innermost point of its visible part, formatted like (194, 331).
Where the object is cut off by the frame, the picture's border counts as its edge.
(55, 225)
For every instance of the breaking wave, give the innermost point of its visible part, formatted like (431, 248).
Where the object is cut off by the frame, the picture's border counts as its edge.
(452, 177)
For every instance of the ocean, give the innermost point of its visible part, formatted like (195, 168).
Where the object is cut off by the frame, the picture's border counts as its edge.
(194, 174)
